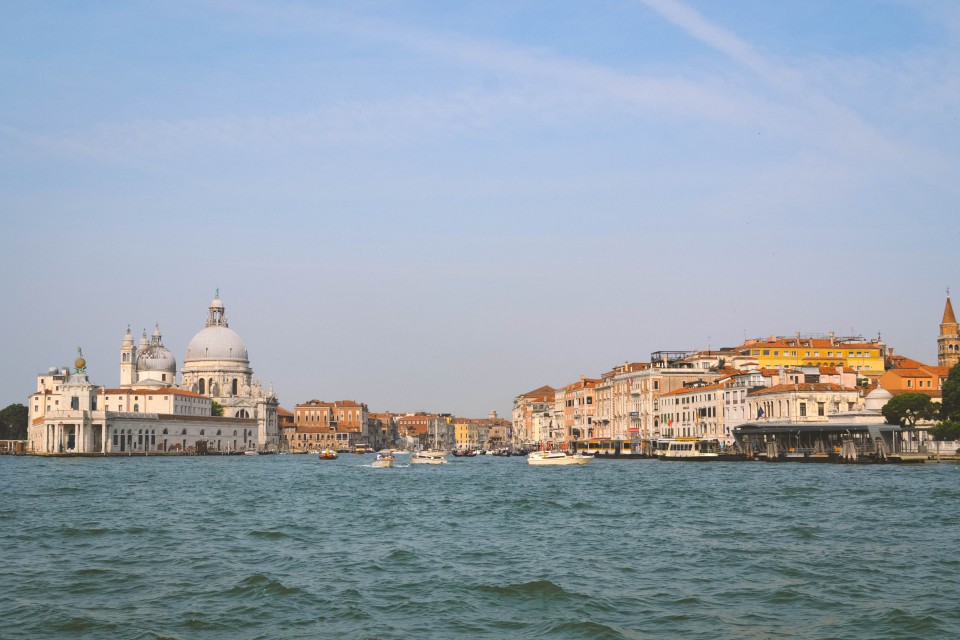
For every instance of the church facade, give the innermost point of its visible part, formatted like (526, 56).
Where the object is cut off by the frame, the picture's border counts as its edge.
(149, 411)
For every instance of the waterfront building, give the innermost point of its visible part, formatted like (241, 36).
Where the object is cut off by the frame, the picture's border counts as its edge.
(149, 411)
(342, 424)
(579, 409)
(802, 401)
(382, 427)
(531, 416)
(470, 433)
(920, 379)
(861, 355)
(948, 343)
(668, 372)
(617, 413)
(694, 411)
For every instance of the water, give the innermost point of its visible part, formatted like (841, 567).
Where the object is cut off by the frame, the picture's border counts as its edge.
(292, 547)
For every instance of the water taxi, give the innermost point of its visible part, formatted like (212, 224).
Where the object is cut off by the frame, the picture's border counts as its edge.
(328, 454)
(384, 460)
(688, 449)
(429, 456)
(557, 458)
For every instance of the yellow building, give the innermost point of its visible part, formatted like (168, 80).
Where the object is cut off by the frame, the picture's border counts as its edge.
(861, 355)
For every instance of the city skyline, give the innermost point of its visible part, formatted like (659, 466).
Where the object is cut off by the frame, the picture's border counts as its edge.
(438, 208)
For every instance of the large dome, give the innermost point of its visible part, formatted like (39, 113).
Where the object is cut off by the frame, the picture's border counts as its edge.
(216, 342)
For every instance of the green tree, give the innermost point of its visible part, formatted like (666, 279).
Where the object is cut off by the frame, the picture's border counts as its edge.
(950, 407)
(949, 430)
(907, 408)
(216, 408)
(13, 422)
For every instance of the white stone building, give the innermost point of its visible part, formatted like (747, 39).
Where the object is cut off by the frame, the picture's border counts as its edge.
(149, 412)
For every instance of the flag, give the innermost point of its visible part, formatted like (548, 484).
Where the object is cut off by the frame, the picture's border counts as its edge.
(759, 412)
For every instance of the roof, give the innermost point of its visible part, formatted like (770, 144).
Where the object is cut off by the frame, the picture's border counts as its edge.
(933, 393)
(540, 393)
(813, 343)
(948, 316)
(683, 390)
(800, 386)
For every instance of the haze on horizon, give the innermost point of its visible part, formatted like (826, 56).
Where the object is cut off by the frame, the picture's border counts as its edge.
(433, 206)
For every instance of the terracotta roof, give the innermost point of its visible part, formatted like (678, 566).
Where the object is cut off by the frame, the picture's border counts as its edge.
(541, 393)
(681, 391)
(948, 317)
(912, 373)
(933, 393)
(283, 412)
(813, 343)
(902, 362)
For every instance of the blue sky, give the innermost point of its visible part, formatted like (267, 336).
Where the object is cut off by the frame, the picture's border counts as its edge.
(438, 206)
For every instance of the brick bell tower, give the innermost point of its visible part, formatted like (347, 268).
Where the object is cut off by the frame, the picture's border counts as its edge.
(948, 344)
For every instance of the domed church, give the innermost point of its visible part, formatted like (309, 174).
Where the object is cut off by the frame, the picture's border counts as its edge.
(217, 366)
(150, 412)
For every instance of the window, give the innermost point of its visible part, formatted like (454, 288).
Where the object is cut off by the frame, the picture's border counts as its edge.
(766, 352)
(820, 409)
(803, 408)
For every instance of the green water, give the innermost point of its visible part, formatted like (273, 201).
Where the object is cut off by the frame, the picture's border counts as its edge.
(292, 547)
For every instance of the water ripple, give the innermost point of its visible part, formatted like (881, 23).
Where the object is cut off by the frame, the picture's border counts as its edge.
(177, 548)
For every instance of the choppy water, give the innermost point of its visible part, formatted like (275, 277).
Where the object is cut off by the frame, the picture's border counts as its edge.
(292, 547)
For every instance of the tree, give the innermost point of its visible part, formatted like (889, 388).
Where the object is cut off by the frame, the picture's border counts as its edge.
(216, 409)
(13, 422)
(949, 430)
(950, 407)
(907, 408)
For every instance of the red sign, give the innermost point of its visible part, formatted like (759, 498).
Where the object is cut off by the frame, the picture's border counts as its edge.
(634, 429)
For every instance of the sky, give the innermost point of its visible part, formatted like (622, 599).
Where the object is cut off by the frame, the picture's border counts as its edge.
(430, 206)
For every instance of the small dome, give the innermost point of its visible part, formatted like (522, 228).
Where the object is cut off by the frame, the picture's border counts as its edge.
(80, 363)
(216, 342)
(156, 357)
(876, 399)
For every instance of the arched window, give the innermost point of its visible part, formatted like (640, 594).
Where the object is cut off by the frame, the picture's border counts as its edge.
(203, 387)
(201, 431)
(184, 432)
(242, 413)
(218, 432)
(234, 391)
(136, 408)
(164, 432)
(234, 432)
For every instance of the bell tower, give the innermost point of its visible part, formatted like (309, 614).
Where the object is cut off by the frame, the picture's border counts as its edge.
(948, 344)
(128, 359)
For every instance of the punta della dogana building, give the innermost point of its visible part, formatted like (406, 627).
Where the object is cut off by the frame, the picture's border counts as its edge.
(150, 412)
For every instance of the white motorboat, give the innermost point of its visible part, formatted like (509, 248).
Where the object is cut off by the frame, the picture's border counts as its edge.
(556, 458)
(429, 456)
(251, 452)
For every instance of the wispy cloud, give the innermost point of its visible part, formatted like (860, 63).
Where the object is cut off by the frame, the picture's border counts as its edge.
(833, 123)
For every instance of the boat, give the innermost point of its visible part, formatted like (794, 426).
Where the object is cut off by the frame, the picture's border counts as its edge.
(329, 454)
(384, 460)
(429, 456)
(687, 449)
(557, 458)
(251, 452)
